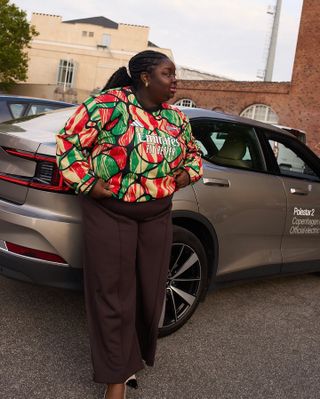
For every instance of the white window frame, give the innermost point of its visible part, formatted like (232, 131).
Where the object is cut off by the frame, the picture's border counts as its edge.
(185, 102)
(254, 112)
(66, 73)
(106, 40)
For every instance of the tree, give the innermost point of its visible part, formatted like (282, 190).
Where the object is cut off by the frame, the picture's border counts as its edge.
(15, 37)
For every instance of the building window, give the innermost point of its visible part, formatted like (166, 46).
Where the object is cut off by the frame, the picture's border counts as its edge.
(66, 73)
(260, 112)
(91, 34)
(84, 33)
(186, 102)
(106, 39)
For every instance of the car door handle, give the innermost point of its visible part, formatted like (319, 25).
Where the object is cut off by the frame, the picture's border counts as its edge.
(298, 191)
(216, 182)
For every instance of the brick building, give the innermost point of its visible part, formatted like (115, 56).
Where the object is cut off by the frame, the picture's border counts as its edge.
(295, 103)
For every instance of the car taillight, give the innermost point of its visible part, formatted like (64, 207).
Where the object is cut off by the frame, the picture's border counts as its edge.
(47, 175)
(34, 253)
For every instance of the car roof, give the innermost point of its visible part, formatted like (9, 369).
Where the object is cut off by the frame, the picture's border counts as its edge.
(31, 99)
(290, 128)
(199, 113)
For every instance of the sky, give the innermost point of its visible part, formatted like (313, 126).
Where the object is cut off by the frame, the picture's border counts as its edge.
(227, 38)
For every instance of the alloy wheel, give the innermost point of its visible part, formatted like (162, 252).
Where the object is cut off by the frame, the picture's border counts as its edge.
(183, 285)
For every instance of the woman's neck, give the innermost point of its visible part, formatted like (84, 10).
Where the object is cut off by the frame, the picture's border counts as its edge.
(145, 101)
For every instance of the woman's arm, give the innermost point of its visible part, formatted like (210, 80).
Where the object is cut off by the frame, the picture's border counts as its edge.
(73, 143)
(192, 163)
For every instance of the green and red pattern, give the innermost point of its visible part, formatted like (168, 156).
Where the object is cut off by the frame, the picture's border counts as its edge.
(112, 137)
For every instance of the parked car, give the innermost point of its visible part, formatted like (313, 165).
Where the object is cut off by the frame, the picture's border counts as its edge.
(249, 216)
(13, 107)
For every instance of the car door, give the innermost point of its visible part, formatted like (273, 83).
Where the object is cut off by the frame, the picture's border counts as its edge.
(299, 170)
(245, 204)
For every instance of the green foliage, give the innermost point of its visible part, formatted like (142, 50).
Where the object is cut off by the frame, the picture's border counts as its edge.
(15, 36)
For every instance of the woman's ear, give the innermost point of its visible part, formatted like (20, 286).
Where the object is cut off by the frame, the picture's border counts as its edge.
(144, 76)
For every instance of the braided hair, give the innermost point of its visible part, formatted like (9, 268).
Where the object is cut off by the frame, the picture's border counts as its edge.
(145, 61)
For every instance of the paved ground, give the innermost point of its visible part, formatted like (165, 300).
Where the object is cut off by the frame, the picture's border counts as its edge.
(257, 340)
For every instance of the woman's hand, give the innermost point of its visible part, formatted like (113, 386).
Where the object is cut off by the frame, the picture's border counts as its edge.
(181, 178)
(100, 190)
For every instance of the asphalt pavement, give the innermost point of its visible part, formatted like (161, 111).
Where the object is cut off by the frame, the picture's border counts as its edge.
(256, 340)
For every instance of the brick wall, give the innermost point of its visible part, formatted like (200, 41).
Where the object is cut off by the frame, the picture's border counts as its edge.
(305, 92)
(232, 97)
(297, 103)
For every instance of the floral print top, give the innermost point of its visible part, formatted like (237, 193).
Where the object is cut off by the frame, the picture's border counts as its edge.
(112, 137)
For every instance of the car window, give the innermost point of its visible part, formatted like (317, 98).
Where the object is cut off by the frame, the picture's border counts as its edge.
(229, 144)
(202, 148)
(291, 161)
(17, 109)
(38, 108)
(4, 111)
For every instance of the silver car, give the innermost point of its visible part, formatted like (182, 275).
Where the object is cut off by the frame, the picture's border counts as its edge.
(255, 212)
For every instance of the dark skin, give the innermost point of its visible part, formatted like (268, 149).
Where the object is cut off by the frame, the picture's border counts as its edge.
(156, 88)
(116, 391)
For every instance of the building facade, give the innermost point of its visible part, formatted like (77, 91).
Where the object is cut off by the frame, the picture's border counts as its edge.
(295, 103)
(71, 59)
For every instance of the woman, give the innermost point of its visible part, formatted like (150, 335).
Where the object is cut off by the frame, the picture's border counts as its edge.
(126, 151)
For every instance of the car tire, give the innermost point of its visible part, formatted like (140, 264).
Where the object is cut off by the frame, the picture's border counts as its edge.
(187, 278)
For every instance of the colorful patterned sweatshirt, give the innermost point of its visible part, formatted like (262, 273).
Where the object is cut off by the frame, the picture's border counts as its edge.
(110, 136)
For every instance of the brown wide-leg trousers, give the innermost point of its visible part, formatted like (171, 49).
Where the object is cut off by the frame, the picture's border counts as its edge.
(126, 258)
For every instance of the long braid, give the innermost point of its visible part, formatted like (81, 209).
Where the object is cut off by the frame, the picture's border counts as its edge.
(119, 78)
(144, 61)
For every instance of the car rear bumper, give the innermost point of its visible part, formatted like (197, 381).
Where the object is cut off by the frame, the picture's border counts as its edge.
(44, 273)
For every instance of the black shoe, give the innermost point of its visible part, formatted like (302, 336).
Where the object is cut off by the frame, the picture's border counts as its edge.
(132, 382)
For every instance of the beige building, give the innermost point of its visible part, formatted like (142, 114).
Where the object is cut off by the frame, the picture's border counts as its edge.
(70, 59)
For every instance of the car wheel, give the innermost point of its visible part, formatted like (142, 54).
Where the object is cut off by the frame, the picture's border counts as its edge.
(186, 281)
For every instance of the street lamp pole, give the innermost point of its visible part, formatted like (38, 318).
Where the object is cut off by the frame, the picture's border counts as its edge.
(273, 43)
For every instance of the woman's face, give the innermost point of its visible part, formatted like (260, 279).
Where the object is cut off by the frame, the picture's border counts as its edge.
(162, 82)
